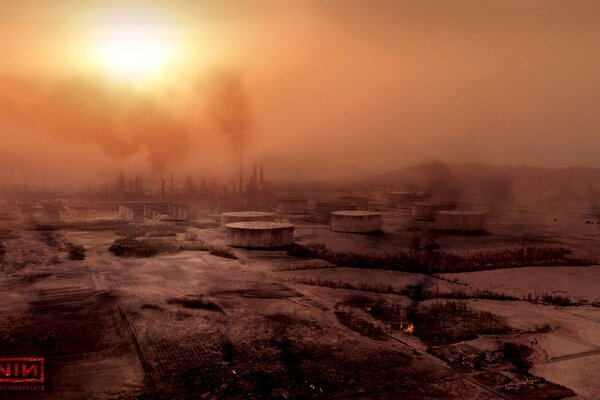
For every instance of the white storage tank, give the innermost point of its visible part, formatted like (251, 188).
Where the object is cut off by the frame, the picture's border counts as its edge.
(259, 234)
(356, 221)
(240, 216)
(461, 221)
(292, 205)
(425, 211)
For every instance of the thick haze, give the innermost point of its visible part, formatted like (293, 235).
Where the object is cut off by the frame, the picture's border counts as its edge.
(316, 89)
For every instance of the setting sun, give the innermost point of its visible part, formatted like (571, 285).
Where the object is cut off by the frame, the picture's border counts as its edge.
(132, 43)
(134, 52)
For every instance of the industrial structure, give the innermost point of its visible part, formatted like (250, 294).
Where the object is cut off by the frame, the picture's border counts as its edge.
(78, 213)
(292, 205)
(425, 211)
(259, 234)
(356, 221)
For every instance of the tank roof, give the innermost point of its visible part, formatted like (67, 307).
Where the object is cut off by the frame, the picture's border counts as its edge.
(247, 214)
(356, 213)
(462, 212)
(259, 225)
(434, 203)
(291, 198)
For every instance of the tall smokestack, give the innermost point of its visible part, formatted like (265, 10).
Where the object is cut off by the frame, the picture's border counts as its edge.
(241, 175)
(172, 185)
(261, 173)
(121, 186)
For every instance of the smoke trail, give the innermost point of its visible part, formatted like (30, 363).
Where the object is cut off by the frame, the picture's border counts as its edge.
(228, 106)
(118, 120)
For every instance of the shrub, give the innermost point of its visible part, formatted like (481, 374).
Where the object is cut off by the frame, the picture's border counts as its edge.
(518, 355)
(445, 322)
(129, 247)
(155, 230)
(434, 260)
(222, 252)
(76, 252)
(359, 325)
(196, 304)
(191, 236)
(549, 298)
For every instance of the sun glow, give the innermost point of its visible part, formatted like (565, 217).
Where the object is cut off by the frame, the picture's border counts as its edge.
(131, 46)
(134, 52)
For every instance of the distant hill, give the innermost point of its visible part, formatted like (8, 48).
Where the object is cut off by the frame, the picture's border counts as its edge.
(479, 182)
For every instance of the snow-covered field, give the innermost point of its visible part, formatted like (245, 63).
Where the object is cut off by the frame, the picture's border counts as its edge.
(578, 283)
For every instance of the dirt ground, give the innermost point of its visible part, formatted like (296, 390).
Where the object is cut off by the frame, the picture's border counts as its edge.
(192, 325)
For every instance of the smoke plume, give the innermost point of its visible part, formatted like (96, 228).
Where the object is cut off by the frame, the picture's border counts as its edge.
(124, 122)
(228, 106)
(118, 120)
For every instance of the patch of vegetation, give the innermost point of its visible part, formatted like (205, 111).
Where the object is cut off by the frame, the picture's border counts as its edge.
(380, 309)
(434, 260)
(194, 245)
(36, 276)
(196, 304)
(148, 306)
(206, 224)
(130, 247)
(518, 355)
(155, 230)
(8, 234)
(550, 298)
(445, 322)
(190, 236)
(367, 287)
(201, 245)
(505, 369)
(301, 267)
(54, 260)
(417, 292)
(134, 247)
(96, 225)
(76, 252)
(356, 323)
(222, 252)
(161, 233)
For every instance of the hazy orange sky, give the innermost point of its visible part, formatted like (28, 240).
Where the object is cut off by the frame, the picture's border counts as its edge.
(325, 88)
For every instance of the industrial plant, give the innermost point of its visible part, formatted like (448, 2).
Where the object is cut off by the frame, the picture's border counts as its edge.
(374, 263)
(299, 200)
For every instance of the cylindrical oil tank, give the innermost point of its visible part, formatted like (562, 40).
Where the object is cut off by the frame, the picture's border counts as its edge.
(461, 221)
(356, 221)
(425, 211)
(259, 234)
(240, 216)
(323, 209)
(292, 205)
(361, 203)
